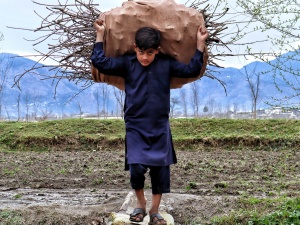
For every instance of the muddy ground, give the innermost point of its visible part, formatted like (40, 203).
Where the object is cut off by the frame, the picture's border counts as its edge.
(76, 187)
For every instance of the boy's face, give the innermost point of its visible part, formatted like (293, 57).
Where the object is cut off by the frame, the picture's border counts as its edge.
(145, 57)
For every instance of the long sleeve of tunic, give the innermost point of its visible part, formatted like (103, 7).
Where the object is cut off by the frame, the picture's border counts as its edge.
(147, 102)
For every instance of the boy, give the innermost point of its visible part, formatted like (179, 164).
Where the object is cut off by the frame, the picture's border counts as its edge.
(146, 110)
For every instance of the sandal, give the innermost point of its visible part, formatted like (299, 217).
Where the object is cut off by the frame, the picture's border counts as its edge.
(138, 215)
(159, 218)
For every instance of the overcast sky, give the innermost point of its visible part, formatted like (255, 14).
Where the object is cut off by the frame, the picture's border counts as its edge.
(20, 13)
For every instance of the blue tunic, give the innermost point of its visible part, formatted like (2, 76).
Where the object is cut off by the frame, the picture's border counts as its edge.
(147, 102)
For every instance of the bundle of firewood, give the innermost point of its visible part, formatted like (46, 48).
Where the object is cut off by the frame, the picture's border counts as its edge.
(68, 30)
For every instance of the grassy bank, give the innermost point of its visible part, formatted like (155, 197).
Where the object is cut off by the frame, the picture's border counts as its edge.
(87, 134)
(281, 211)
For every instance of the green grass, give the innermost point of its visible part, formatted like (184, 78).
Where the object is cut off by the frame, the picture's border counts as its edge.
(267, 134)
(264, 211)
(69, 134)
(10, 217)
(84, 134)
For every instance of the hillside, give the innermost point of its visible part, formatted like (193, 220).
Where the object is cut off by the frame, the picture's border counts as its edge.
(38, 95)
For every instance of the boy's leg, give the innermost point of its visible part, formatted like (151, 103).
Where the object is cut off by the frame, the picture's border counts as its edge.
(137, 179)
(156, 198)
(141, 200)
(160, 180)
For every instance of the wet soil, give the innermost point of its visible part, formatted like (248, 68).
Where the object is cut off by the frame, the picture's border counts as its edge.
(77, 187)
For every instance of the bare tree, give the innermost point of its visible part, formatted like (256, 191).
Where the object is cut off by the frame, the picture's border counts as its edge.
(45, 113)
(5, 66)
(19, 106)
(27, 106)
(102, 93)
(184, 101)
(80, 108)
(195, 94)
(36, 105)
(62, 106)
(120, 97)
(174, 101)
(254, 81)
(97, 97)
(105, 94)
(228, 110)
(7, 113)
(211, 105)
(235, 107)
(219, 108)
(282, 18)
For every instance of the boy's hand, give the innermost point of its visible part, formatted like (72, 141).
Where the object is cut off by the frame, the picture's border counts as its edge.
(100, 29)
(202, 35)
(99, 25)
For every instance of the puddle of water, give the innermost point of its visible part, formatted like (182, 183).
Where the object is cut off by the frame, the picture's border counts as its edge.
(48, 197)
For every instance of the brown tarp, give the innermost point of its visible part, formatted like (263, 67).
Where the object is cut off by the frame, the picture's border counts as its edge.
(177, 23)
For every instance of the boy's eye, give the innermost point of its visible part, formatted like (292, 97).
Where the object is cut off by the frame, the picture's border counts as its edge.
(148, 53)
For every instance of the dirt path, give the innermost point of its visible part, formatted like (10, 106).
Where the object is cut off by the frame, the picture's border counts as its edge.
(75, 187)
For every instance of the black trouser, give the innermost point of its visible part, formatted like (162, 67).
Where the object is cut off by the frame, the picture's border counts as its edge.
(160, 177)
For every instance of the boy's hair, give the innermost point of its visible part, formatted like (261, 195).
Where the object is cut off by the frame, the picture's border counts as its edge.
(147, 37)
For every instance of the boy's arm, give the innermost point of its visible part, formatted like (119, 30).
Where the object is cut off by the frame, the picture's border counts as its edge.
(202, 35)
(100, 29)
(105, 65)
(194, 67)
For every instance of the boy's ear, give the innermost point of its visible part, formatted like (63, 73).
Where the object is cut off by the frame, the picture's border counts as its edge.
(157, 50)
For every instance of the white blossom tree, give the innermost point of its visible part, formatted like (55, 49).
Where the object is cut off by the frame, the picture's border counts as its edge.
(280, 20)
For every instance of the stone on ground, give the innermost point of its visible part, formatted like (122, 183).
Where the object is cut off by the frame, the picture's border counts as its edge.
(122, 217)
